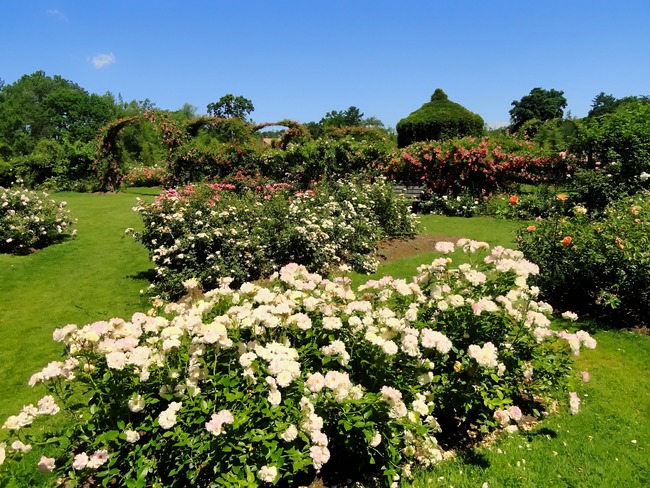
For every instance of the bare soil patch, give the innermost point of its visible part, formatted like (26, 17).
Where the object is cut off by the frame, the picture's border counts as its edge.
(393, 249)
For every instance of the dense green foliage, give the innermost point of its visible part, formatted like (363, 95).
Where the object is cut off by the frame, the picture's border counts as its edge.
(539, 104)
(615, 149)
(438, 119)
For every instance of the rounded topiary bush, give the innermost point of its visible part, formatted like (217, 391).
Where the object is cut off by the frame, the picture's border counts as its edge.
(438, 119)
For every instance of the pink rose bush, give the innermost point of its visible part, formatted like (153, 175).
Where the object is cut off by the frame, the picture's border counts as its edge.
(255, 384)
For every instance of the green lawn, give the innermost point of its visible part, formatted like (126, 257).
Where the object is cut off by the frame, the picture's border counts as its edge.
(99, 275)
(94, 276)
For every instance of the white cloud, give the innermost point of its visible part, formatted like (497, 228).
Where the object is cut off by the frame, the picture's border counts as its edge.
(101, 60)
(57, 13)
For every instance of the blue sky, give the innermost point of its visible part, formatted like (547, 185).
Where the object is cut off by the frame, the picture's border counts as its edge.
(300, 59)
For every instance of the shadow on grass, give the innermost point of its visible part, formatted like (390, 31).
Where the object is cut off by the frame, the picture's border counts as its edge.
(147, 275)
(543, 432)
(473, 458)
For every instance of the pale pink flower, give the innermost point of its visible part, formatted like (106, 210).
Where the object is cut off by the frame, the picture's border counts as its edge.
(136, 403)
(47, 406)
(132, 436)
(584, 375)
(315, 382)
(319, 455)
(46, 464)
(290, 434)
(570, 316)
(515, 413)
(574, 402)
(80, 461)
(216, 422)
(376, 440)
(98, 458)
(485, 356)
(444, 247)
(502, 416)
(267, 474)
(19, 446)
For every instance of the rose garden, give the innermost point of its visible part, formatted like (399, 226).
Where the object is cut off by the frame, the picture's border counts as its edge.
(216, 307)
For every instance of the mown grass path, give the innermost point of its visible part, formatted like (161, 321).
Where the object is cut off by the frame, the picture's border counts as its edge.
(94, 276)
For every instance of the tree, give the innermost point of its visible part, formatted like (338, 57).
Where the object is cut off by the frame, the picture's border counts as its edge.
(345, 118)
(39, 107)
(539, 104)
(188, 111)
(606, 104)
(602, 104)
(230, 106)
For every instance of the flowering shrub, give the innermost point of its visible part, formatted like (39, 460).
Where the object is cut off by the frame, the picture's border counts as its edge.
(477, 167)
(209, 232)
(29, 220)
(462, 205)
(145, 176)
(257, 385)
(600, 267)
(539, 201)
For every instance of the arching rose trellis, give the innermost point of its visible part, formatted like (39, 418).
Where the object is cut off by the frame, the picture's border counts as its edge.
(109, 166)
(182, 156)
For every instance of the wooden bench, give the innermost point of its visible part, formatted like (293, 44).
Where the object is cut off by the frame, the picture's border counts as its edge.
(411, 192)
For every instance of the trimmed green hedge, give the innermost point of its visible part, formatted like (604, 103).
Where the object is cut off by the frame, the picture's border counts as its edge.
(438, 119)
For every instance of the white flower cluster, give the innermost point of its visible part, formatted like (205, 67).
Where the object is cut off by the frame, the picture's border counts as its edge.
(29, 219)
(305, 340)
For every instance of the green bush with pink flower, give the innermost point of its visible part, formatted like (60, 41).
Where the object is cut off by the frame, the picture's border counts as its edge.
(302, 376)
(480, 167)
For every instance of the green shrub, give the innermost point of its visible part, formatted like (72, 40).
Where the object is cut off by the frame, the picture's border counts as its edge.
(29, 221)
(617, 144)
(599, 268)
(303, 377)
(438, 119)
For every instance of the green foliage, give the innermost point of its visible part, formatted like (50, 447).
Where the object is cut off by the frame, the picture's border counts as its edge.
(617, 144)
(539, 104)
(230, 106)
(606, 104)
(41, 107)
(248, 234)
(30, 221)
(439, 119)
(600, 268)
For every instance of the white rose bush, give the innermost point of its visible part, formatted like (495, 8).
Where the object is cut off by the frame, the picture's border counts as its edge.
(30, 220)
(208, 232)
(300, 376)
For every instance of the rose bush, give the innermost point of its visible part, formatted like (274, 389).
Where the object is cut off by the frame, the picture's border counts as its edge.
(29, 220)
(258, 385)
(479, 167)
(600, 267)
(212, 231)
